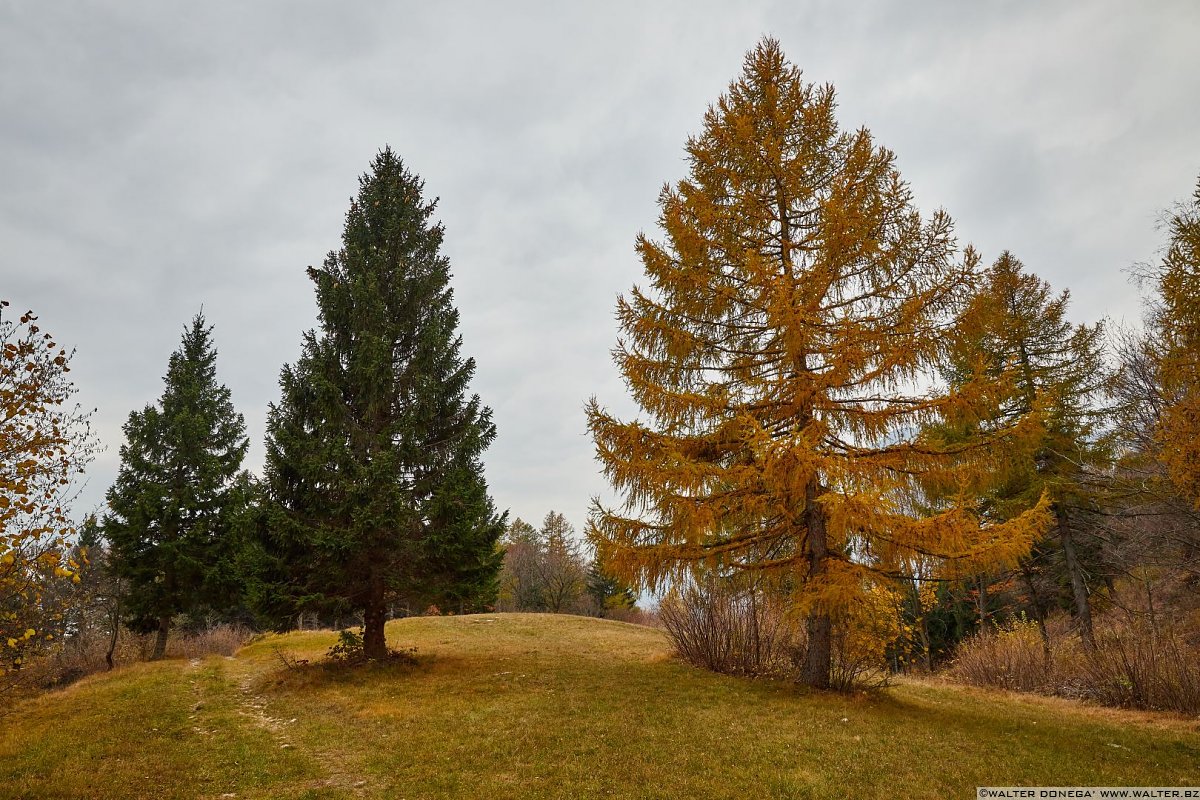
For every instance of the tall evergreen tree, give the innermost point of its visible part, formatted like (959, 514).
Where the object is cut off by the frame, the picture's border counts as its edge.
(1014, 325)
(373, 451)
(796, 308)
(177, 490)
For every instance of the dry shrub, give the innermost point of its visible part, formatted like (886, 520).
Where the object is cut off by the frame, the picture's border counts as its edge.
(634, 616)
(740, 629)
(222, 640)
(735, 630)
(1009, 657)
(1136, 664)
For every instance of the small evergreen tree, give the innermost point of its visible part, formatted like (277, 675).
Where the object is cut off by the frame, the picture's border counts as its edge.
(373, 451)
(609, 595)
(1014, 325)
(177, 491)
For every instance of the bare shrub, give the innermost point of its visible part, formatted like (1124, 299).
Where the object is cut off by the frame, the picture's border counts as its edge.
(727, 628)
(76, 657)
(744, 628)
(1136, 664)
(634, 616)
(222, 640)
(1009, 657)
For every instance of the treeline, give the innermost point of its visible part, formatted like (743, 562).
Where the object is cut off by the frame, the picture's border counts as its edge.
(547, 569)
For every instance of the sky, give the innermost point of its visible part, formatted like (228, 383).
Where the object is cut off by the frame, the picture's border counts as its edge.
(161, 157)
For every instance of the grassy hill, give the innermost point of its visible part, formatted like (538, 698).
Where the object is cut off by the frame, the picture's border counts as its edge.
(551, 706)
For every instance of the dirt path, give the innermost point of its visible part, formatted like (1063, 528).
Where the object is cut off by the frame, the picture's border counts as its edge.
(255, 708)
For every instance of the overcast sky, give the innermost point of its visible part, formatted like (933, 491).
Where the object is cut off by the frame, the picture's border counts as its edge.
(156, 157)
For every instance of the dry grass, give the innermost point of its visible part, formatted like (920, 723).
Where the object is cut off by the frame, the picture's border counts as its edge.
(549, 706)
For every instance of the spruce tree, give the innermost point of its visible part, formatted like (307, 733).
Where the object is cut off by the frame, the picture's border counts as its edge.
(177, 490)
(373, 451)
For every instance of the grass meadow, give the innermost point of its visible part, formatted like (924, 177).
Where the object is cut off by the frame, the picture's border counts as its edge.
(540, 706)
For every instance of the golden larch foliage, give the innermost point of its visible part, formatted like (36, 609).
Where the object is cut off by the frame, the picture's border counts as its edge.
(785, 352)
(1179, 327)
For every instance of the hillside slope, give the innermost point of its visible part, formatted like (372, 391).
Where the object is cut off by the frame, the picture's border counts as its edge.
(512, 705)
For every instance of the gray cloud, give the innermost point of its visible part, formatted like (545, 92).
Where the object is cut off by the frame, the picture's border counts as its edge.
(155, 157)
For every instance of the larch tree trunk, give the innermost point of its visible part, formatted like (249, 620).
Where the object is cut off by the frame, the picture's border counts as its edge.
(818, 659)
(1038, 610)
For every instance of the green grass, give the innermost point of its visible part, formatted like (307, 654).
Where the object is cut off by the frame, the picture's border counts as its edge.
(551, 706)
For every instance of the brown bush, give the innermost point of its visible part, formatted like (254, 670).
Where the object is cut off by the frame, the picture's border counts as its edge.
(221, 640)
(747, 629)
(1136, 664)
(1010, 657)
(1138, 667)
(725, 628)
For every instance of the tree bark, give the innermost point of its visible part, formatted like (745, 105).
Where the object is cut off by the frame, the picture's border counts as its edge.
(1083, 608)
(1039, 612)
(374, 643)
(160, 639)
(114, 620)
(374, 617)
(981, 601)
(818, 659)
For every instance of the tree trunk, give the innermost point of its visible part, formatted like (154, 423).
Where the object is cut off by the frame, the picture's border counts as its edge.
(926, 645)
(374, 643)
(818, 659)
(114, 620)
(1083, 608)
(981, 601)
(374, 617)
(1039, 612)
(160, 639)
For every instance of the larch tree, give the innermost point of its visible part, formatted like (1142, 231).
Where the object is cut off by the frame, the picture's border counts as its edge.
(178, 490)
(1177, 319)
(1014, 325)
(783, 355)
(45, 443)
(1154, 412)
(373, 451)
